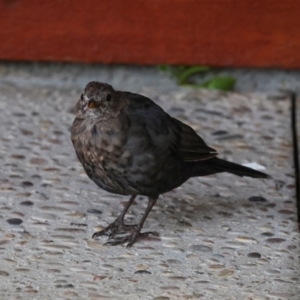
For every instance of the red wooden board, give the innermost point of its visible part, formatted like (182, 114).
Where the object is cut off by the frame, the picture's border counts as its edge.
(251, 33)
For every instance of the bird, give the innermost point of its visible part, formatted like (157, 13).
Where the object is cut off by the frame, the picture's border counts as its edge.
(128, 145)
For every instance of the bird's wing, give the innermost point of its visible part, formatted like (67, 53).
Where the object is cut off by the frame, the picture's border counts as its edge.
(167, 133)
(191, 146)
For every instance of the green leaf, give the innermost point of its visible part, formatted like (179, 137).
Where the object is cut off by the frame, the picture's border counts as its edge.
(189, 71)
(182, 74)
(177, 70)
(224, 83)
(163, 68)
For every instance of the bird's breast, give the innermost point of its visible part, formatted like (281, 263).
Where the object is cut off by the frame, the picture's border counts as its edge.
(125, 162)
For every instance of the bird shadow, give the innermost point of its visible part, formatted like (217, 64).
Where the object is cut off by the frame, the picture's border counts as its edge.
(170, 209)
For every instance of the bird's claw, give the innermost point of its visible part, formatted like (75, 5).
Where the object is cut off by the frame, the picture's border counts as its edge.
(130, 239)
(122, 230)
(117, 227)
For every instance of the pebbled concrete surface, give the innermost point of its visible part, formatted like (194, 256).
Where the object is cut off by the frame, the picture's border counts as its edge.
(220, 237)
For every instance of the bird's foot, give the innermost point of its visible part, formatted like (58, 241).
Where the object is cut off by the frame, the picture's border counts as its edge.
(117, 227)
(131, 238)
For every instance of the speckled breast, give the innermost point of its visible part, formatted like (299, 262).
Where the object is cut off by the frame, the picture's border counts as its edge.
(103, 156)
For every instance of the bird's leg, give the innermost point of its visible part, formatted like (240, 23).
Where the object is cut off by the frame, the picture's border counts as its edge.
(137, 234)
(118, 225)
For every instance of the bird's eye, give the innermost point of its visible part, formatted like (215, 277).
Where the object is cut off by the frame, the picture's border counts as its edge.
(108, 97)
(92, 104)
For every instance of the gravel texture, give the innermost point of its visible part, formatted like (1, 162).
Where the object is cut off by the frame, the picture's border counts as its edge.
(220, 237)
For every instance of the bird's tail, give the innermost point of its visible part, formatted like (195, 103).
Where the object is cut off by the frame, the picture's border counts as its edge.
(217, 165)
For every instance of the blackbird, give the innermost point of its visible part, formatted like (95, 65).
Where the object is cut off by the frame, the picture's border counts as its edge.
(128, 145)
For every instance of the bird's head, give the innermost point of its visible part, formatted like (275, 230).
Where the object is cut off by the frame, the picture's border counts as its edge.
(98, 100)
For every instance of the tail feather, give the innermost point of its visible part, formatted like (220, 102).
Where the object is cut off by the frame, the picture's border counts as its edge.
(217, 165)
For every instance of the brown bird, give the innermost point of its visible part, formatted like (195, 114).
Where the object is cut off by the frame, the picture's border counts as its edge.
(129, 145)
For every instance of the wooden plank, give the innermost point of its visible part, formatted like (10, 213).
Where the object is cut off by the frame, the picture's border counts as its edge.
(251, 33)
